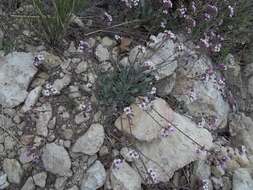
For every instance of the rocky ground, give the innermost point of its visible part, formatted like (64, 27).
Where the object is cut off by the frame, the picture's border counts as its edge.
(195, 134)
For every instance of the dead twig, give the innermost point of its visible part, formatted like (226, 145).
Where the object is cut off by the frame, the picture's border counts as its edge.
(114, 26)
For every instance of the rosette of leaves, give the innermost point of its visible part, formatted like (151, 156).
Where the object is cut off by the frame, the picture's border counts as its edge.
(120, 87)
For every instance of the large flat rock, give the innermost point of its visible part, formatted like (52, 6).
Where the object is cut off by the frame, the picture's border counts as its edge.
(16, 72)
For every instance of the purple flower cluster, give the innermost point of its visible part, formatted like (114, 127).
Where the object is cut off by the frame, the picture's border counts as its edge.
(166, 131)
(117, 163)
(128, 111)
(133, 154)
(205, 17)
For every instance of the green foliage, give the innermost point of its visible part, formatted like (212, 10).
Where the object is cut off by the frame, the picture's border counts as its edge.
(239, 30)
(121, 86)
(7, 45)
(52, 24)
(236, 30)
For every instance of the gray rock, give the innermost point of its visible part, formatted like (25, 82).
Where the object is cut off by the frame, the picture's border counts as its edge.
(67, 133)
(60, 183)
(6, 123)
(227, 183)
(218, 171)
(45, 114)
(31, 99)
(103, 151)
(81, 67)
(102, 53)
(250, 86)
(164, 56)
(125, 178)
(1, 39)
(1, 149)
(40, 179)
(176, 150)
(73, 188)
(241, 130)
(152, 129)
(108, 42)
(91, 141)
(201, 172)
(242, 180)
(16, 72)
(59, 84)
(13, 170)
(56, 160)
(201, 97)
(79, 118)
(248, 71)
(217, 182)
(9, 143)
(202, 169)
(51, 61)
(172, 152)
(166, 85)
(94, 178)
(29, 185)
(3, 181)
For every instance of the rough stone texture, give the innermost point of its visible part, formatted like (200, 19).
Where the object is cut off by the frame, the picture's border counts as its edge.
(56, 160)
(125, 178)
(201, 171)
(250, 86)
(234, 80)
(29, 185)
(3, 181)
(208, 98)
(172, 152)
(175, 151)
(248, 71)
(73, 188)
(45, 114)
(13, 170)
(102, 53)
(108, 42)
(94, 177)
(161, 53)
(91, 141)
(166, 85)
(241, 130)
(81, 67)
(32, 98)
(60, 183)
(40, 179)
(59, 84)
(51, 60)
(16, 72)
(144, 127)
(242, 179)
(1, 39)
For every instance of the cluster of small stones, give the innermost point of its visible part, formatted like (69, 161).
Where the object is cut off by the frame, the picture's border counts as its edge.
(55, 140)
